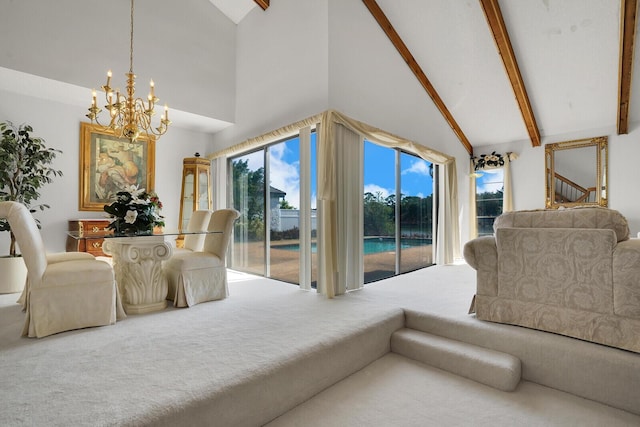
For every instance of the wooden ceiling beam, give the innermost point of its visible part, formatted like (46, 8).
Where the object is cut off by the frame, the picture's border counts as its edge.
(501, 36)
(628, 13)
(264, 4)
(395, 39)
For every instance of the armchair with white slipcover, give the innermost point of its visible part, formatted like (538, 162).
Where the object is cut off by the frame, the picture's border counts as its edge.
(199, 221)
(60, 296)
(196, 277)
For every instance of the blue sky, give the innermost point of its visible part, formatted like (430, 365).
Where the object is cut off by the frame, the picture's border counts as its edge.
(379, 172)
(379, 175)
(490, 180)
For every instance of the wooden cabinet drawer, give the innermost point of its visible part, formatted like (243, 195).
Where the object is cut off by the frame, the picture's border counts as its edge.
(86, 228)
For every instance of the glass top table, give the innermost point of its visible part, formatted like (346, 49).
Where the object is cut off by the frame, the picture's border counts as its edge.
(137, 263)
(108, 234)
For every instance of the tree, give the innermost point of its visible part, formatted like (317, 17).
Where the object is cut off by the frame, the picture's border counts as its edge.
(378, 215)
(248, 197)
(285, 205)
(24, 169)
(416, 213)
(489, 203)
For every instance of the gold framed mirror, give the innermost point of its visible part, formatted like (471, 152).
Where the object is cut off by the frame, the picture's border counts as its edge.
(576, 172)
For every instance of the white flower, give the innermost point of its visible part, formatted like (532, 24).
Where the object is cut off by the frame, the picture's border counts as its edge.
(130, 217)
(135, 192)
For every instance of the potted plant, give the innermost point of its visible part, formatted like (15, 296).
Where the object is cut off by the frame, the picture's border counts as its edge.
(25, 166)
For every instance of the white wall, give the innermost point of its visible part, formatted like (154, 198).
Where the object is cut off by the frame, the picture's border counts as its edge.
(296, 59)
(348, 64)
(59, 125)
(53, 53)
(282, 71)
(624, 152)
(188, 48)
(301, 57)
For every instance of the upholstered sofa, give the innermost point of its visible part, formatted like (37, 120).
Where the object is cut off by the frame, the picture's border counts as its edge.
(571, 271)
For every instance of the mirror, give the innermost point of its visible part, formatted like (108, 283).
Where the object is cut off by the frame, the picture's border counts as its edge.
(576, 173)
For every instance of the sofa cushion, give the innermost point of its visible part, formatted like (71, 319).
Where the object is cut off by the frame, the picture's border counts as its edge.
(576, 217)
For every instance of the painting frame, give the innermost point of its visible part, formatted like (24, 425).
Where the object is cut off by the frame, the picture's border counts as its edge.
(108, 164)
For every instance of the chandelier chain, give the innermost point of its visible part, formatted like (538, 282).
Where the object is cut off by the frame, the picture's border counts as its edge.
(131, 43)
(129, 116)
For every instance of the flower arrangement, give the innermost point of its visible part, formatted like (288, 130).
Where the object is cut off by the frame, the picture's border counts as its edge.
(135, 211)
(489, 160)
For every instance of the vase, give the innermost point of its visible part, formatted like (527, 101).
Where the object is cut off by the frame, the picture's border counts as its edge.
(14, 272)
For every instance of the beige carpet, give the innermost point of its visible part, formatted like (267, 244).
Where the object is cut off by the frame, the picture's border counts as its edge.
(157, 369)
(396, 391)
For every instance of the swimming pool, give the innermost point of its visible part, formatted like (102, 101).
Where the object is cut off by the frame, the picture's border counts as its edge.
(372, 245)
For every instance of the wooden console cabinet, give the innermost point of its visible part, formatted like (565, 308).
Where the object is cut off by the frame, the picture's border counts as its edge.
(91, 230)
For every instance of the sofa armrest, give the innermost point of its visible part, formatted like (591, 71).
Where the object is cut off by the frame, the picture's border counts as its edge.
(626, 279)
(481, 254)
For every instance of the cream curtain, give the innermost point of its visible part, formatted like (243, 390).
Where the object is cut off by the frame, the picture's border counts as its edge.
(350, 193)
(473, 217)
(305, 209)
(507, 200)
(267, 138)
(327, 212)
(448, 233)
(219, 166)
(332, 278)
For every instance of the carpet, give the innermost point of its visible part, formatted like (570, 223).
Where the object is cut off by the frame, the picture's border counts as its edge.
(396, 391)
(234, 356)
(269, 349)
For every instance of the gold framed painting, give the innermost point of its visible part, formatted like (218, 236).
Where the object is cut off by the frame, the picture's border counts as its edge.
(109, 164)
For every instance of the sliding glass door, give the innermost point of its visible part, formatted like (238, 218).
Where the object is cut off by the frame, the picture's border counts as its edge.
(416, 213)
(266, 190)
(397, 236)
(274, 189)
(248, 253)
(379, 214)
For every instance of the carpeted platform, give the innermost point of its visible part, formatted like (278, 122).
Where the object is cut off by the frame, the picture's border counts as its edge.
(239, 361)
(269, 347)
(397, 391)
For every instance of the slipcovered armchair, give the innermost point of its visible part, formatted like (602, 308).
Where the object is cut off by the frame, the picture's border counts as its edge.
(75, 293)
(53, 258)
(196, 277)
(571, 271)
(199, 221)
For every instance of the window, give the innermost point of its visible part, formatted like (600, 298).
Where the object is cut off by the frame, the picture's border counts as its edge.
(266, 190)
(247, 181)
(267, 234)
(397, 237)
(489, 198)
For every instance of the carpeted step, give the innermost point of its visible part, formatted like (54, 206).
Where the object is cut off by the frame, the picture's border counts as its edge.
(490, 367)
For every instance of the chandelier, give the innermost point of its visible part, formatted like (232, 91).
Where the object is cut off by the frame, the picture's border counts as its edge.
(129, 116)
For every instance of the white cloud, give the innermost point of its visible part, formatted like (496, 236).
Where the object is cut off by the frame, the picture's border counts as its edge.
(406, 193)
(490, 181)
(375, 189)
(421, 167)
(254, 160)
(489, 187)
(285, 176)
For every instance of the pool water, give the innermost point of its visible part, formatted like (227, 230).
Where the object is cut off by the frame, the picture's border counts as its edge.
(371, 245)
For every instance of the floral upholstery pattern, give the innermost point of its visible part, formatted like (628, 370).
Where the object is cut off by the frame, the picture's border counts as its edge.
(573, 272)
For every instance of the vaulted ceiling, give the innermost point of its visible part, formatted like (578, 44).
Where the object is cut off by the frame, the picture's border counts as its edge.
(512, 70)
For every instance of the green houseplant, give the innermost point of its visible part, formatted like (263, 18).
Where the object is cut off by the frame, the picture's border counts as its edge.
(25, 166)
